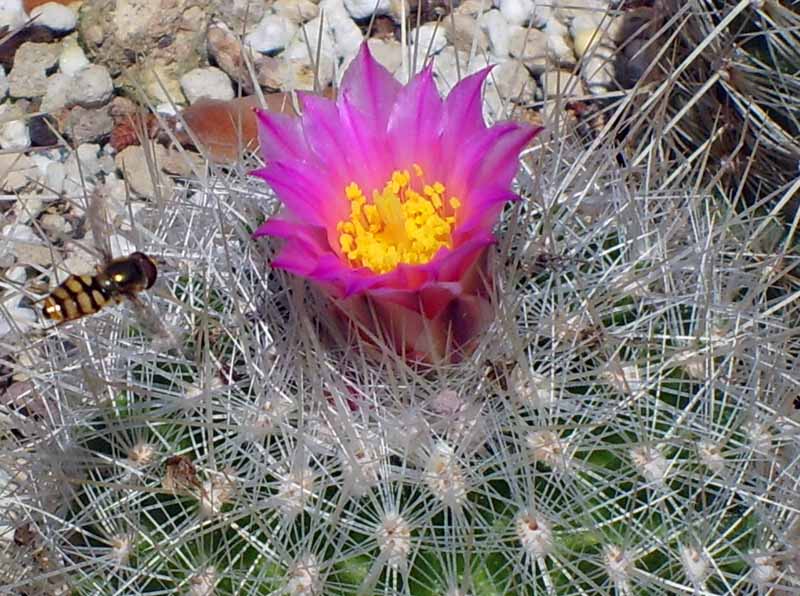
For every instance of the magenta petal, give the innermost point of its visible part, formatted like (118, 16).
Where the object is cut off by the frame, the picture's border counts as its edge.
(370, 88)
(327, 139)
(464, 111)
(280, 136)
(491, 157)
(480, 213)
(416, 122)
(294, 259)
(452, 265)
(281, 228)
(304, 193)
(368, 151)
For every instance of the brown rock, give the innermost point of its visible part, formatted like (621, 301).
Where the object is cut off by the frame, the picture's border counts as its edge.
(225, 48)
(223, 129)
(29, 5)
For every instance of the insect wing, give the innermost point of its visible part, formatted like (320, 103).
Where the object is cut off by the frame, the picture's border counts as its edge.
(164, 338)
(97, 213)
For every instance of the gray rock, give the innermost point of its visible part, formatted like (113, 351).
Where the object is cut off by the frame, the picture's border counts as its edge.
(55, 225)
(133, 163)
(512, 82)
(530, 47)
(32, 64)
(27, 208)
(297, 11)
(209, 82)
(86, 125)
(16, 171)
(240, 15)
(56, 97)
(462, 31)
(138, 37)
(90, 87)
(3, 84)
(25, 245)
(472, 8)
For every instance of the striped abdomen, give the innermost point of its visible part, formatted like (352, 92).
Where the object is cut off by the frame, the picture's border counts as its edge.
(78, 296)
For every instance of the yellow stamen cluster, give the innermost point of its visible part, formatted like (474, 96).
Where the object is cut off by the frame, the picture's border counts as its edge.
(407, 222)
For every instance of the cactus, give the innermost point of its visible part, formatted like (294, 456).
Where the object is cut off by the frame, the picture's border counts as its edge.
(626, 425)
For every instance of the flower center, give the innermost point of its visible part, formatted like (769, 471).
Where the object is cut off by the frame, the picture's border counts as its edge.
(407, 222)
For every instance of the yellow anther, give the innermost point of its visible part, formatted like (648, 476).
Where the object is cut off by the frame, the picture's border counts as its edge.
(403, 223)
(352, 191)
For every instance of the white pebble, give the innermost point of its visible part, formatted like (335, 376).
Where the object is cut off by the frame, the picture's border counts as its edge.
(542, 13)
(87, 155)
(361, 9)
(386, 52)
(55, 17)
(561, 83)
(496, 28)
(72, 59)
(272, 34)
(445, 70)
(432, 39)
(299, 50)
(516, 12)
(55, 175)
(347, 37)
(91, 87)
(585, 34)
(512, 81)
(208, 82)
(19, 233)
(12, 13)
(557, 45)
(15, 135)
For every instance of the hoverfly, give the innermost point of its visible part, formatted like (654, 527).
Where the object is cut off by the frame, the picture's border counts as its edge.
(82, 295)
(116, 279)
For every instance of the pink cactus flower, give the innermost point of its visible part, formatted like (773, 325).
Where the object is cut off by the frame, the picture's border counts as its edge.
(390, 196)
